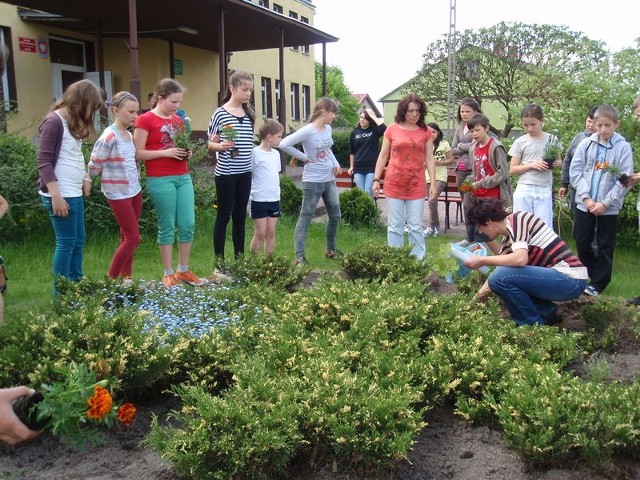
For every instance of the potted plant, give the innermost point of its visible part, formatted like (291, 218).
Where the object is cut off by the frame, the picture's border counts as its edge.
(74, 407)
(614, 171)
(551, 151)
(182, 139)
(230, 134)
(466, 186)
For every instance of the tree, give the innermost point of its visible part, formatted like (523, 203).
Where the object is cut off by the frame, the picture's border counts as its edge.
(337, 90)
(510, 63)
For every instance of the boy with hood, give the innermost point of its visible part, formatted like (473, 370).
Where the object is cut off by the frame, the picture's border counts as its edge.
(597, 164)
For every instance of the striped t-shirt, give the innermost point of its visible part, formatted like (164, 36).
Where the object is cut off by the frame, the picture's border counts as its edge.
(545, 248)
(226, 164)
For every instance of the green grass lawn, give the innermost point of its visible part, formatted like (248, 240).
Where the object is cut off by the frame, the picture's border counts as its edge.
(29, 262)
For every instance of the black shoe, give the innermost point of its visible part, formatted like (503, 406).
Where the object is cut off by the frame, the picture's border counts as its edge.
(554, 318)
(633, 301)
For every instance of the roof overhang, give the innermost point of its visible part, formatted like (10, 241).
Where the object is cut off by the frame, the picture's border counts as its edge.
(195, 23)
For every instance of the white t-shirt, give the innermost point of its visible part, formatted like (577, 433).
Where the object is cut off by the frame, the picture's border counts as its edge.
(528, 150)
(265, 178)
(70, 169)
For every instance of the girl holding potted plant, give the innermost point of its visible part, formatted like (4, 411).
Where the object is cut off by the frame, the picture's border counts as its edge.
(169, 182)
(534, 192)
(230, 136)
(114, 159)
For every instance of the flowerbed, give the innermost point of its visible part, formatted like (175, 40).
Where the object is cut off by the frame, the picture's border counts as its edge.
(339, 374)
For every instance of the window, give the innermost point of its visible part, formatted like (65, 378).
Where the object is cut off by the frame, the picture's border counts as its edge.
(8, 96)
(278, 8)
(304, 48)
(267, 103)
(263, 3)
(277, 85)
(295, 106)
(306, 102)
(293, 15)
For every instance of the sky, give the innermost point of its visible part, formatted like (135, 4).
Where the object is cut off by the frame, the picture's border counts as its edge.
(382, 42)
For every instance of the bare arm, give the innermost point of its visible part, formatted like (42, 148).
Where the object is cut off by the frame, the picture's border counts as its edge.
(518, 168)
(430, 165)
(4, 206)
(381, 163)
(518, 258)
(142, 154)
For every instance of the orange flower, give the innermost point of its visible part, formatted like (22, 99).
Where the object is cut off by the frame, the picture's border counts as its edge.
(126, 413)
(466, 187)
(100, 403)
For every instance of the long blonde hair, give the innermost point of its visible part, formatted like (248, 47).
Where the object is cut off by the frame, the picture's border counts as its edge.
(82, 99)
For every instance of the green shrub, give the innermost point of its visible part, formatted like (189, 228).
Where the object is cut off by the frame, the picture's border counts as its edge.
(609, 322)
(382, 262)
(358, 209)
(115, 346)
(290, 196)
(340, 146)
(333, 375)
(18, 184)
(274, 270)
(247, 434)
(553, 419)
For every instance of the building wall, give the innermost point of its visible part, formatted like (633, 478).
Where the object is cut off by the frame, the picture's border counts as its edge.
(299, 67)
(200, 70)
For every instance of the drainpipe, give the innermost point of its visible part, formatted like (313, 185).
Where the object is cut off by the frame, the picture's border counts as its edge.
(133, 51)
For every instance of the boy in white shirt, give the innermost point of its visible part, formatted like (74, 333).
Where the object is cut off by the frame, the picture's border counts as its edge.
(265, 187)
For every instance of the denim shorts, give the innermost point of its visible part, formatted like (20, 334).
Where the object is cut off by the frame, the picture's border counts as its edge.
(265, 209)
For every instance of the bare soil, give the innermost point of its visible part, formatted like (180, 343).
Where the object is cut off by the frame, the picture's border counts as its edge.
(448, 448)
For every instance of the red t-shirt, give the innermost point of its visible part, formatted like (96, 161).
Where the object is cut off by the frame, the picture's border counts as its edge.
(160, 137)
(483, 169)
(404, 177)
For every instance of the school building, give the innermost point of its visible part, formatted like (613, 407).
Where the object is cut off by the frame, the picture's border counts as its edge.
(132, 44)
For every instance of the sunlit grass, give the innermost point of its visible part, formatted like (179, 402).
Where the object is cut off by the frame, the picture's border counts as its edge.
(29, 262)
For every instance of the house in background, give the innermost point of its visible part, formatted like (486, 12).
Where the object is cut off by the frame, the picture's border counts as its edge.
(437, 111)
(132, 44)
(365, 101)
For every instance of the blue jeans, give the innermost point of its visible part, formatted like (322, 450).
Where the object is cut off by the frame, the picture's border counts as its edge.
(70, 239)
(364, 181)
(530, 292)
(414, 219)
(311, 193)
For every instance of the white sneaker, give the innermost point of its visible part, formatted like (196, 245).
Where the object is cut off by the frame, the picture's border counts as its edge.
(436, 232)
(464, 243)
(406, 228)
(428, 232)
(591, 291)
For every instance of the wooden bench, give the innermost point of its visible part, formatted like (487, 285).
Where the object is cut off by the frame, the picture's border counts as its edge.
(344, 180)
(450, 195)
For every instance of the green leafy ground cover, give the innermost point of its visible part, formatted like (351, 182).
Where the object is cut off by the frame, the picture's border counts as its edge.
(342, 372)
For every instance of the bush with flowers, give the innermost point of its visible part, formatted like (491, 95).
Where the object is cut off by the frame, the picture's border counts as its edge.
(76, 405)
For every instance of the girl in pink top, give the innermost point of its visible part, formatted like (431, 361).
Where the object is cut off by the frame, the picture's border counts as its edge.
(407, 149)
